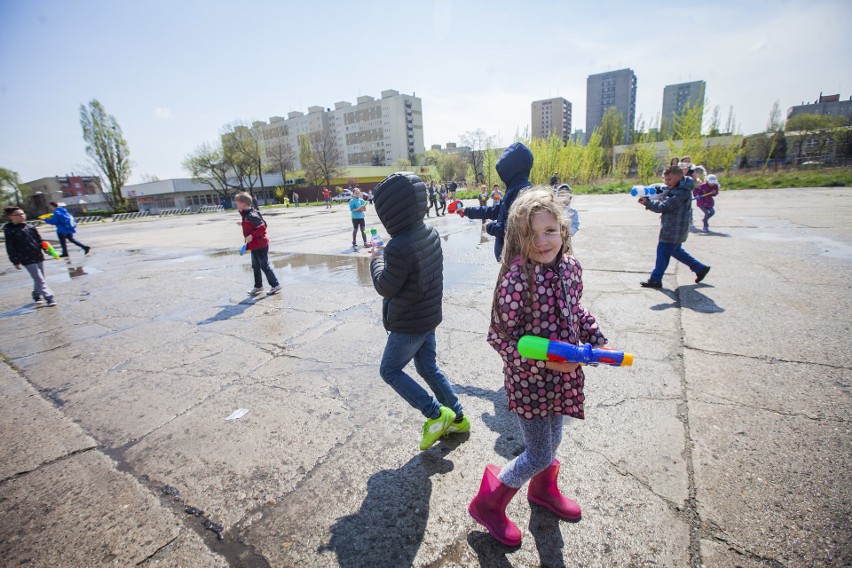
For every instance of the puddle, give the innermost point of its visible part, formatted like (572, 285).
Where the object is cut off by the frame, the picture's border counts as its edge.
(325, 268)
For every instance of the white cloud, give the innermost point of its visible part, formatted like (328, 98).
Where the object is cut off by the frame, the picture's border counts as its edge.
(162, 112)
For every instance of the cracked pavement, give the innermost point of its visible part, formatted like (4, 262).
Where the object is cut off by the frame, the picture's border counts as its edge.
(726, 444)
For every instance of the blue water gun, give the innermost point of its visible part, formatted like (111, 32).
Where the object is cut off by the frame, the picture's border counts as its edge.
(543, 349)
(243, 249)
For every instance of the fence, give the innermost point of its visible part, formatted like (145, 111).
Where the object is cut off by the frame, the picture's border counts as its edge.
(89, 219)
(176, 211)
(125, 216)
(210, 208)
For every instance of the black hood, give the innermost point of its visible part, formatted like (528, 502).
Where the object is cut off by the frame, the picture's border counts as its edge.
(400, 202)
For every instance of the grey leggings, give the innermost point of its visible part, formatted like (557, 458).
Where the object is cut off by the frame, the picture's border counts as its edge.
(542, 437)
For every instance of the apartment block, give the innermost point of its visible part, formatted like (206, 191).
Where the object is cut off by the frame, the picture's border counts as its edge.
(79, 193)
(611, 89)
(551, 116)
(372, 131)
(676, 96)
(826, 104)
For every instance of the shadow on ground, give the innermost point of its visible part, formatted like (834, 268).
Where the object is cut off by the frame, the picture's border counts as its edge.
(690, 298)
(388, 528)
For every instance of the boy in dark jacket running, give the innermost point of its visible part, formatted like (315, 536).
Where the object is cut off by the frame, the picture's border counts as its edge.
(23, 245)
(675, 209)
(254, 232)
(514, 169)
(409, 275)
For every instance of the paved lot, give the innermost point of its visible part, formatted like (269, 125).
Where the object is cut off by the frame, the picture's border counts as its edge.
(726, 444)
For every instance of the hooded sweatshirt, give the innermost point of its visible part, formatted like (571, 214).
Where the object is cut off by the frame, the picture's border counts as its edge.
(410, 274)
(514, 169)
(64, 221)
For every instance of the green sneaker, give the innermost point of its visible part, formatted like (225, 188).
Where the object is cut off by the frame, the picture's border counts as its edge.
(458, 427)
(434, 428)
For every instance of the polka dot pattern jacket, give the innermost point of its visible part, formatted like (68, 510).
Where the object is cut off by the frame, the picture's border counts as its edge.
(554, 311)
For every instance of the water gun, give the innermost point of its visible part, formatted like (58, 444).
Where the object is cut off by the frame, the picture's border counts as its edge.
(456, 207)
(376, 241)
(700, 196)
(243, 249)
(49, 249)
(642, 191)
(543, 349)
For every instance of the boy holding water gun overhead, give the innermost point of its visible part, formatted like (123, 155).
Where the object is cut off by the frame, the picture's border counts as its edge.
(254, 233)
(23, 245)
(538, 293)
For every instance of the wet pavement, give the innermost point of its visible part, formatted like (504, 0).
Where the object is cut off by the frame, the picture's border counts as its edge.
(726, 444)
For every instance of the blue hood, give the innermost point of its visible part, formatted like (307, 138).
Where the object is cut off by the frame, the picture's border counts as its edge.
(514, 166)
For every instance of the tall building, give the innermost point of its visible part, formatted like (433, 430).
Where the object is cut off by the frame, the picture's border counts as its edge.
(373, 131)
(611, 89)
(551, 116)
(676, 96)
(825, 104)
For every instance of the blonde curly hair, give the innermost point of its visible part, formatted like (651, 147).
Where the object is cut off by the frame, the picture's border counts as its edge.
(518, 239)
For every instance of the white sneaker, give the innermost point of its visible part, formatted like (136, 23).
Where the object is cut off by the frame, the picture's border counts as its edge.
(255, 291)
(274, 290)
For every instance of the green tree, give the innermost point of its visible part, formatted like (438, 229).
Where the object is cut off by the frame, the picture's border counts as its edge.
(11, 188)
(612, 131)
(106, 146)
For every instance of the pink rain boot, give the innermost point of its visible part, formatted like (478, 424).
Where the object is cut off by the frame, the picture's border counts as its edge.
(544, 491)
(489, 507)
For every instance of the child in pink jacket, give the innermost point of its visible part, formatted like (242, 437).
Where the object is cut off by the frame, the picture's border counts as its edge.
(538, 293)
(704, 194)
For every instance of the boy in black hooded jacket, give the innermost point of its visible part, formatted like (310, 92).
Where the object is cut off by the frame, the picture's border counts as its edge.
(23, 245)
(409, 276)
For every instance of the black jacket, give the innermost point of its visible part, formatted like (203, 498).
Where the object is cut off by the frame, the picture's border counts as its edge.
(410, 275)
(514, 169)
(23, 243)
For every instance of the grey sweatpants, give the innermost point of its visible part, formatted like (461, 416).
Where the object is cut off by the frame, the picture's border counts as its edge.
(542, 437)
(40, 288)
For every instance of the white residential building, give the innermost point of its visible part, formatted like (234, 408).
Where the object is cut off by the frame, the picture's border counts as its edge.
(370, 132)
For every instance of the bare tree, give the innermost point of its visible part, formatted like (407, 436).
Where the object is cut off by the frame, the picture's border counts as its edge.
(325, 160)
(478, 142)
(244, 150)
(208, 165)
(282, 159)
(105, 144)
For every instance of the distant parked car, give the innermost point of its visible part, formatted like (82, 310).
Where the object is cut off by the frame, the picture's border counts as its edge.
(345, 195)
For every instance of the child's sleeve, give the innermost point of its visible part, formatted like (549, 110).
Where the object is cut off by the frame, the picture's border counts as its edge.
(589, 330)
(389, 271)
(482, 212)
(507, 326)
(11, 250)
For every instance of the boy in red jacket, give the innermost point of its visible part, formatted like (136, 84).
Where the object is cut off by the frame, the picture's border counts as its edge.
(254, 231)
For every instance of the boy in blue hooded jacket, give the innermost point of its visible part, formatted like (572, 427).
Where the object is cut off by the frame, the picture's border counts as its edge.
(66, 226)
(514, 169)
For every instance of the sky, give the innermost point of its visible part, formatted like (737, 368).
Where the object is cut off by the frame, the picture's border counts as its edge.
(174, 72)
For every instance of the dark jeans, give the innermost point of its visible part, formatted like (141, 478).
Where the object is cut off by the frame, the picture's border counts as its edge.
(665, 251)
(443, 208)
(400, 349)
(433, 201)
(708, 212)
(68, 237)
(260, 262)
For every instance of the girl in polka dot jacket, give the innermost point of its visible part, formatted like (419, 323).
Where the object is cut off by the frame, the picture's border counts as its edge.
(538, 293)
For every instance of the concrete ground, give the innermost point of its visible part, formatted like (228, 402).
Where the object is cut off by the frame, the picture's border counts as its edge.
(726, 444)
